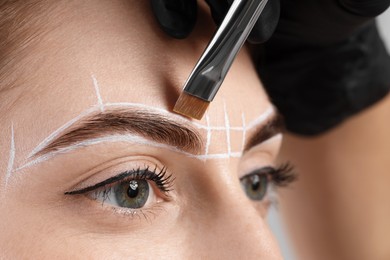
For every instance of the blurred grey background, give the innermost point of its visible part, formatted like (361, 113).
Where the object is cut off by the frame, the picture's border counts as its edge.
(273, 217)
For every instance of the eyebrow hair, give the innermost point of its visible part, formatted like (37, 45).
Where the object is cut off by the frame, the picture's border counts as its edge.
(150, 125)
(274, 126)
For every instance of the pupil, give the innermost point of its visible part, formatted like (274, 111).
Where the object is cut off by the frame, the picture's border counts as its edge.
(255, 182)
(133, 190)
(255, 185)
(132, 194)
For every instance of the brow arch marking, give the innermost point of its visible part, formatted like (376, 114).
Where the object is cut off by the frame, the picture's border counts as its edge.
(97, 92)
(93, 109)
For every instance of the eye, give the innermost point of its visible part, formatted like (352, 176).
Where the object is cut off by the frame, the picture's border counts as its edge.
(131, 189)
(255, 185)
(133, 194)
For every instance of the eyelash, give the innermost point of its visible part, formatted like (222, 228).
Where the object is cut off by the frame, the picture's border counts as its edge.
(163, 181)
(281, 176)
(258, 184)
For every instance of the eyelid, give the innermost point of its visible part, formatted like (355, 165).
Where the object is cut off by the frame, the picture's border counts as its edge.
(264, 170)
(259, 156)
(104, 183)
(280, 176)
(273, 139)
(113, 167)
(158, 176)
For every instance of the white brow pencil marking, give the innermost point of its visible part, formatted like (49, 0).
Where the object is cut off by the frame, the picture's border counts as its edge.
(11, 159)
(91, 110)
(262, 118)
(97, 91)
(40, 159)
(243, 131)
(208, 138)
(57, 132)
(101, 107)
(135, 140)
(111, 139)
(227, 126)
(123, 138)
(218, 156)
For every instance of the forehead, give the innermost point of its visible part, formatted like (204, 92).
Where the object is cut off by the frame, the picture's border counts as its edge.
(95, 63)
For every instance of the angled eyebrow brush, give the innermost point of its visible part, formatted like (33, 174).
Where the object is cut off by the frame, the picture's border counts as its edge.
(212, 67)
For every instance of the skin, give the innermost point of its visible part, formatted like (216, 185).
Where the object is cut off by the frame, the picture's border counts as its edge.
(339, 208)
(119, 43)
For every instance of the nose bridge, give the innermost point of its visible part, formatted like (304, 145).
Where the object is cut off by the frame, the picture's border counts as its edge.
(241, 230)
(231, 227)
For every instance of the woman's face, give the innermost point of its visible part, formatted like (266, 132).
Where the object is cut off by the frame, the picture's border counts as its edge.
(95, 165)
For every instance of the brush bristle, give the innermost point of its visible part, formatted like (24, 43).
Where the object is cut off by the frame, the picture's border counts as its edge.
(191, 106)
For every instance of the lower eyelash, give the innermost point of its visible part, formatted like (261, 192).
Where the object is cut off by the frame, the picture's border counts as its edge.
(144, 213)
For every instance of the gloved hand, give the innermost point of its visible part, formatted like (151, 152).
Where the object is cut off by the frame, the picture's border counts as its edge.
(324, 63)
(177, 17)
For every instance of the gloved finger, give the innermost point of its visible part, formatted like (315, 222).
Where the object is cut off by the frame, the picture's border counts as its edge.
(265, 25)
(219, 8)
(176, 17)
(366, 8)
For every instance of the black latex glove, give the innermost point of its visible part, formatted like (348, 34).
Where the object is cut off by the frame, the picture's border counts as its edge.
(325, 62)
(177, 17)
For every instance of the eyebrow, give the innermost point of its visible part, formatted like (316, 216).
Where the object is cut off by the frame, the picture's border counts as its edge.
(272, 127)
(152, 126)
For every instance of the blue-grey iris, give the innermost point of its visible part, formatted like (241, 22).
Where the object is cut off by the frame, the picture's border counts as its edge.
(132, 194)
(255, 185)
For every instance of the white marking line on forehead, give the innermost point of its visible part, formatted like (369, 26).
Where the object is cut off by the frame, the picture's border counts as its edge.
(133, 139)
(122, 138)
(136, 140)
(208, 137)
(59, 130)
(11, 159)
(260, 120)
(97, 92)
(218, 156)
(227, 126)
(92, 110)
(111, 139)
(243, 131)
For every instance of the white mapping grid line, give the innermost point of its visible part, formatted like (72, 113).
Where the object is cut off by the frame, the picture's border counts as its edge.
(243, 131)
(11, 159)
(100, 106)
(97, 92)
(208, 137)
(227, 129)
(205, 156)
